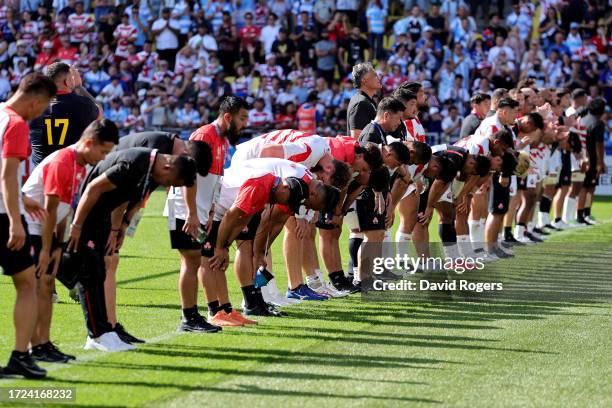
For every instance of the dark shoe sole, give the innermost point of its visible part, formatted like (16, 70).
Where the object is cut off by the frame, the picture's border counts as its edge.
(193, 330)
(27, 374)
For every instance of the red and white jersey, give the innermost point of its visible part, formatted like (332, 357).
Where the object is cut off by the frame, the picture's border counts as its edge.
(207, 187)
(125, 34)
(15, 143)
(148, 59)
(268, 72)
(61, 28)
(479, 142)
(58, 174)
(80, 26)
(537, 158)
(247, 185)
(29, 32)
(67, 55)
(415, 129)
(343, 148)
(299, 147)
(158, 76)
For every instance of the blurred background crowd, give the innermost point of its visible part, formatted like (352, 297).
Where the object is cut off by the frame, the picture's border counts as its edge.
(166, 64)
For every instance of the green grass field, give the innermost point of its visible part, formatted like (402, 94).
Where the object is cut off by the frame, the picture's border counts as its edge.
(550, 346)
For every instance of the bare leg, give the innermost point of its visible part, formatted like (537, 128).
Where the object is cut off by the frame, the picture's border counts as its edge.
(110, 287)
(293, 250)
(188, 277)
(25, 312)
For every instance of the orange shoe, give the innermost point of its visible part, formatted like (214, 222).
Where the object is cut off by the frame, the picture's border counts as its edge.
(224, 319)
(236, 315)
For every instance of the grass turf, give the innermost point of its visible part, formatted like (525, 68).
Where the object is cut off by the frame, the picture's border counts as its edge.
(548, 348)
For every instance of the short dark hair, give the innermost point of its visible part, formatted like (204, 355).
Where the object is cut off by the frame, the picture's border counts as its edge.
(507, 103)
(498, 94)
(483, 165)
(504, 136)
(232, 105)
(391, 105)
(411, 86)
(331, 196)
(359, 71)
(371, 154)
(597, 106)
(184, 169)
(102, 131)
(536, 119)
(578, 93)
(342, 174)
(479, 97)
(57, 70)
(403, 94)
(202, 154)
(401, 152)
(422, 152)
(36, 83)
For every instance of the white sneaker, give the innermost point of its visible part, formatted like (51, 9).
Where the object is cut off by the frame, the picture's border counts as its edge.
(488, 257)
(276, 297)
(107, 342)
(560, 224)
(335, 292)
(269, 297)
(591, 220)
(524, 240)
(327, 289)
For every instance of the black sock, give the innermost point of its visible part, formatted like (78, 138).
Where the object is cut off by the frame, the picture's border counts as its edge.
(557, 219)
(227, 307)
(250, 295)
(336, 277)
(354, 244)
(545, 205)
(447, 233)
(213, 307)
(507, 232)
(522, 224)
(20, 354)
(190, 312)
(580, 215)
(587, 211)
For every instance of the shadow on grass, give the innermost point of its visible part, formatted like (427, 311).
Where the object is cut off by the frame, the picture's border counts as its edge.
(251, 390)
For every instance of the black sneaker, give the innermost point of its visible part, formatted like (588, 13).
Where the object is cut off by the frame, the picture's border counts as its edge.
(197, 325)
(49, 353)
(387, 275)
(510, 240)
(22, 364)
(551, 227)
(344, 284)
(532, 237)
(540, 231)
(125, 336)
(263, 309)
(583, 221)
(501, 254)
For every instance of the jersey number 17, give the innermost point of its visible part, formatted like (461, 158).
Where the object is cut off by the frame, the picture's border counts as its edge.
(55, 123)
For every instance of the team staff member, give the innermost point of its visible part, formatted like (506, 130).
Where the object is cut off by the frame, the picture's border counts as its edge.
(165, 143)
(54, 185)
(189, 210)
(29, 101)
(125, 176)
(481, 104)
(362, 108)
(67, 116)
(595, 130)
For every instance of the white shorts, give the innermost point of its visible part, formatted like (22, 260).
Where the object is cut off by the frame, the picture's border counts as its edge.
(532, 180)
(452, 191)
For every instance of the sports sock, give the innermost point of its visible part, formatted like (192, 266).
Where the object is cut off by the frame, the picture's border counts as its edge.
(557, 219)
(530, 226)
(336, 277)
(250, 295)
(447, 233)
(402, 243)
(313, 281)
(587, 212)
(191, 312)
(213, 307)
(387, 248)
(481, 231)
(354, 244)
(569, 209)
(475, 233)
(507, 232)
(227, 307)
(519, 231)
(580, 215)
(463, 243)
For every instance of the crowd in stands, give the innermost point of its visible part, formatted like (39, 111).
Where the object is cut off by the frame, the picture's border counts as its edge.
(166, 64)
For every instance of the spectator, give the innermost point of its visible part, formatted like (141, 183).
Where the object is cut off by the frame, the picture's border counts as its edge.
(249, 40)
(117, 113)
(451, 125)
(259, 118)
(285, 51)
(81, 24)
(124, 34)
(166, 30)
(269, 33)
(352, 50)
(377, 19)
(326, 52)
